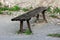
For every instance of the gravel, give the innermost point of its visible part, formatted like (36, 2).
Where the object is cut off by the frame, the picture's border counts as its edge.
(9, 28)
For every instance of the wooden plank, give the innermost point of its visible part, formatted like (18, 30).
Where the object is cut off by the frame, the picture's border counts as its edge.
(29, 14)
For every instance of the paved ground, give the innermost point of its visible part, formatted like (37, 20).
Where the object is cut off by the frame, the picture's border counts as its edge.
(8, 30)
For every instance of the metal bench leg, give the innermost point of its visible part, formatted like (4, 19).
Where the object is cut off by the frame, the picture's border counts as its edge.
(29, 25)
(37, 16)
(21, 26)
(43, 13)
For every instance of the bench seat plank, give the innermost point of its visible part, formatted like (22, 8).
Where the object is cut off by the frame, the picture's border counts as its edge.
(29, 14)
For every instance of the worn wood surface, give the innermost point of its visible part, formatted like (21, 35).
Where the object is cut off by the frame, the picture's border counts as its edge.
(29, 14)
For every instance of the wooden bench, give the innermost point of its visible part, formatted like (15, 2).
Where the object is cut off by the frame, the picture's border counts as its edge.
(27, 16)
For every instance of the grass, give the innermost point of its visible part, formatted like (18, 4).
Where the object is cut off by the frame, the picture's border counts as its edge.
(31, 7)
(18, 32)
(1, 12)
(56, 10)
(53, 16)
(27, 32)
(54, 35)
(0, 4)
(14, 8)
(25, 9)
(9, 13)
(49, 9)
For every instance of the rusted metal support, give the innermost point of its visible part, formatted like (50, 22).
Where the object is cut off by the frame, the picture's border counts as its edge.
(21, 26)
(44, 17)
(29, 26)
